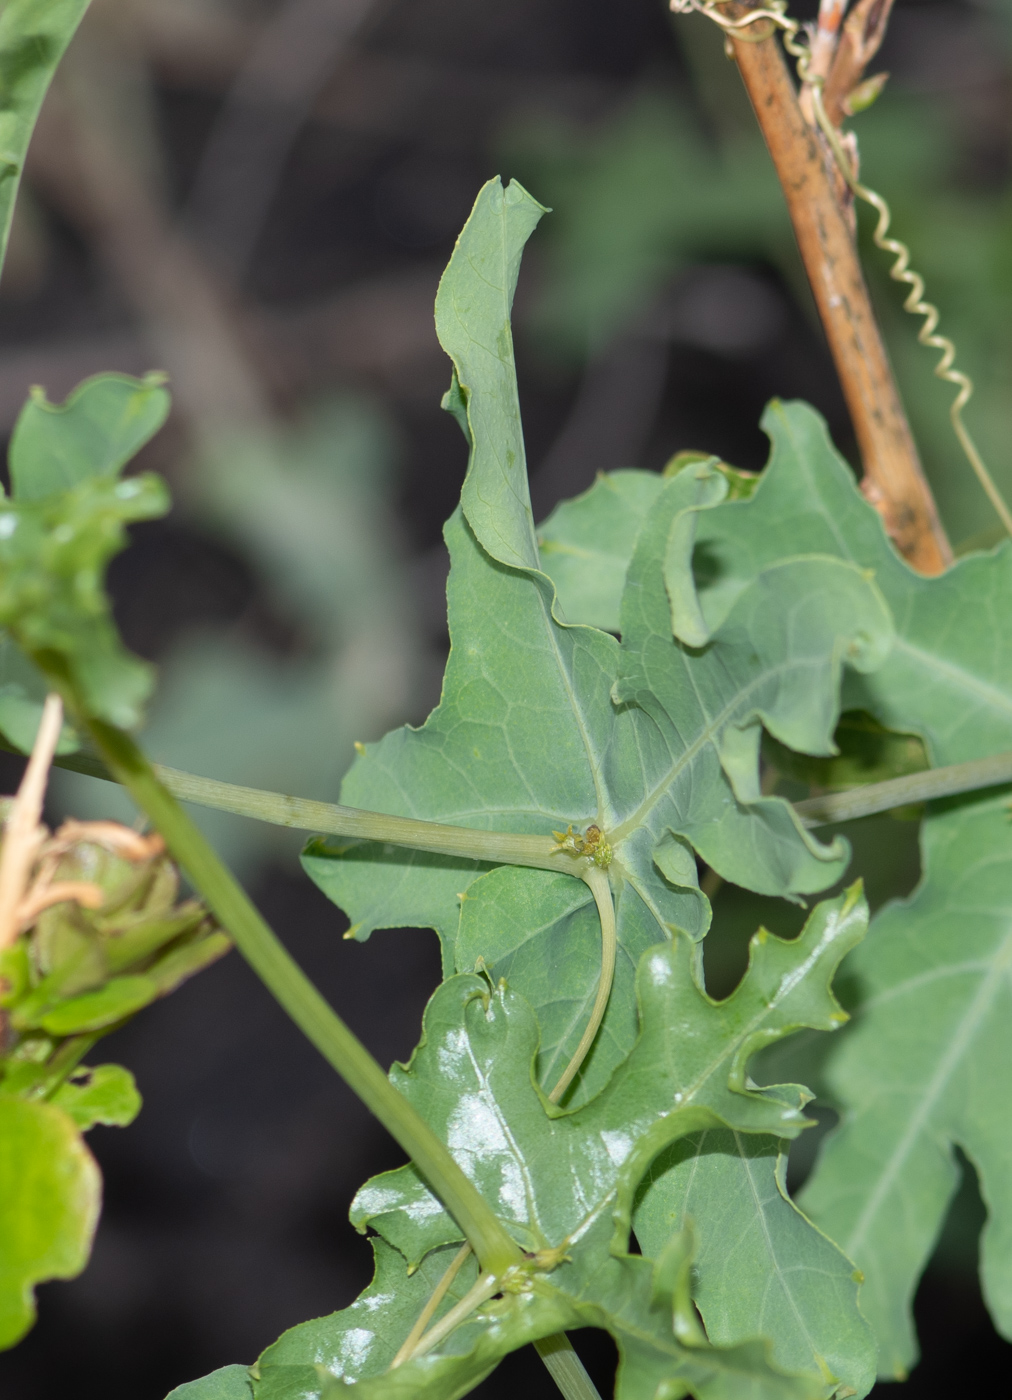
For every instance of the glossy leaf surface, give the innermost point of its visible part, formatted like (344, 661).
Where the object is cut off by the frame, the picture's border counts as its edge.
(564, 1182)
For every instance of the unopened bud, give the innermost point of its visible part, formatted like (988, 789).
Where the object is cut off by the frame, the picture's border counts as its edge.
(859, 99)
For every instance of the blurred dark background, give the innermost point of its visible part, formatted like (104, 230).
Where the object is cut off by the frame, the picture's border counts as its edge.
(259, 198)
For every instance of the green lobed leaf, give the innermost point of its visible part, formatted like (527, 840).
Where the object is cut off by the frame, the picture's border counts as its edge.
(690, 1051)
(923, 1069)
(54, 548)
(554, 741)
(94, 433)
(362, 1339)
(946, 676)
(50, 1191)
(53, 555)
(473, 306)
(564, 1181)
(99, 1094)
(327, 1358)
(33, 37)
(761, 1268)
(586, 544)
(945, 680)
(775, 663)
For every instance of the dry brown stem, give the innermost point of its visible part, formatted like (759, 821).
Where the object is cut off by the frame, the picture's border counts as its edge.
(24, 833)
(891, 465)
(121, 840)
(29, 856)
(38, 899)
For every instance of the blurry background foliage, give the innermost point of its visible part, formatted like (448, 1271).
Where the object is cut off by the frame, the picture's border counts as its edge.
(258, 197)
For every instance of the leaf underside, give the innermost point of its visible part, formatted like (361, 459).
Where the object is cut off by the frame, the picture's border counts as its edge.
(545, 725)
(928, 988)
(620, 667)
(653, 741)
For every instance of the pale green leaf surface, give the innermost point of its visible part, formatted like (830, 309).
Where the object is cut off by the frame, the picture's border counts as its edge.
(50, 1191)
(567, 1179)
(586, 544)
(777, 663)
(542, 933)
(33, 37)
(537, 746)
(946, 677)
(540, 748)
(761, 1268)
(924, 1067)
(103, 423)
(473, 307)
(99, 1094)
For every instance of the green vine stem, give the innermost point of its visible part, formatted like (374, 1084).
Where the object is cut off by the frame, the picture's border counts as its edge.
(493, 1246)
(155, 790)
(565, 1368)
(479, 1293)
(331, 819)
(431, 1307)
(902, 792)
(503, 848)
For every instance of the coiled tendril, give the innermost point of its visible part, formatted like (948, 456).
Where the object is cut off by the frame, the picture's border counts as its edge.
(775, 12)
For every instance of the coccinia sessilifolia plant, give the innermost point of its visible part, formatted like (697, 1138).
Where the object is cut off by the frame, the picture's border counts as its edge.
(593, 1139)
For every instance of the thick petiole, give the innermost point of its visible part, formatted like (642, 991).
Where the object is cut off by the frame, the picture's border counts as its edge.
(432, 1306)
(600, 887)
(305, 815)
(332, 819)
